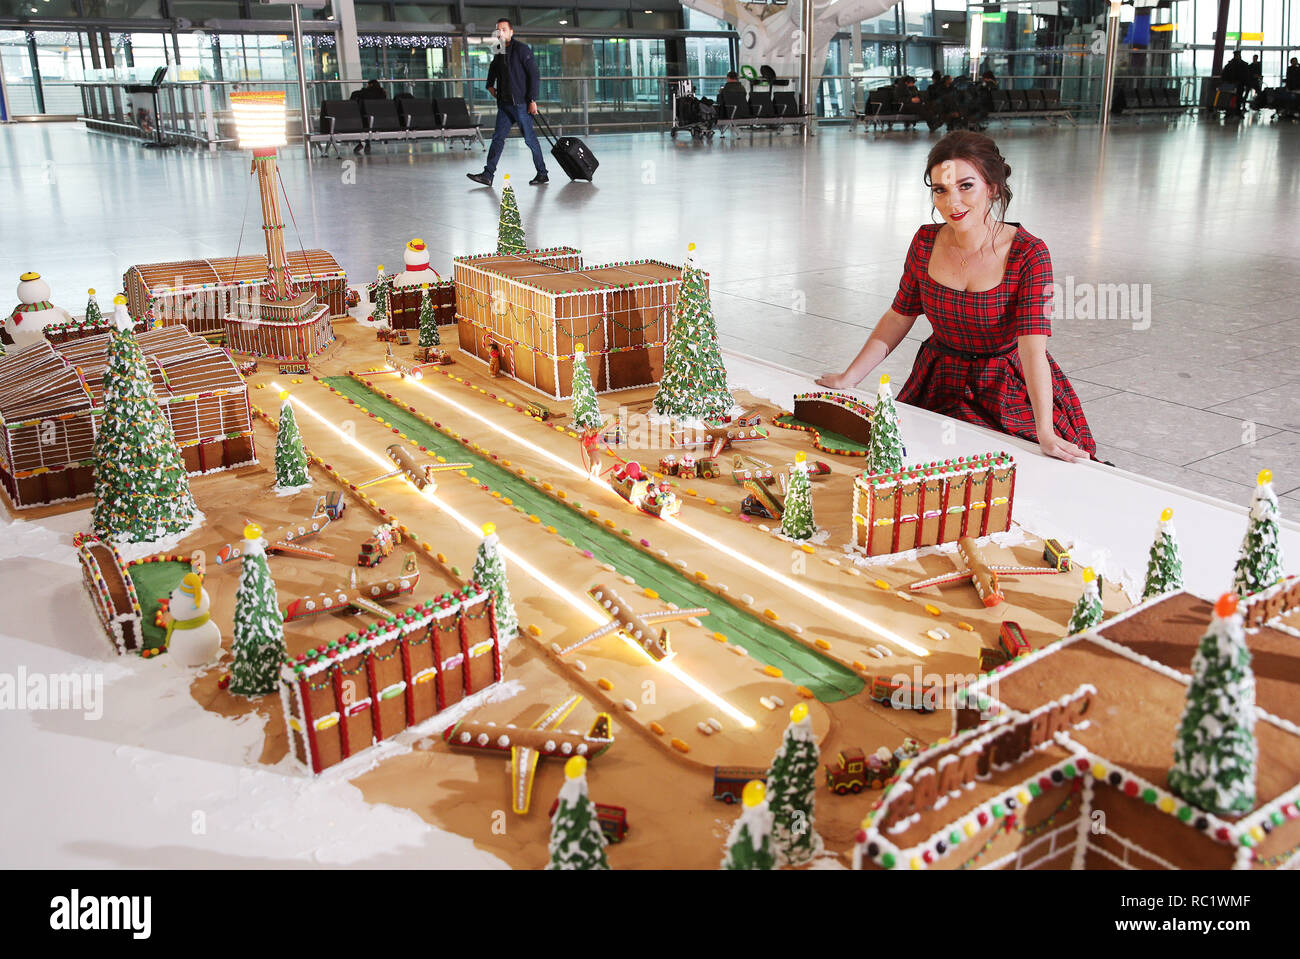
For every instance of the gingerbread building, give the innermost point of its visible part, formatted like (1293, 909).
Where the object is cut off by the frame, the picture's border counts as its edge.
(50, 405)
(933, 503)
(536, 307)
(1059, 760)
(354, 692)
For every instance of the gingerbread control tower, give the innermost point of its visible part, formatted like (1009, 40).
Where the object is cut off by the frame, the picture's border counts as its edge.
(286, 324)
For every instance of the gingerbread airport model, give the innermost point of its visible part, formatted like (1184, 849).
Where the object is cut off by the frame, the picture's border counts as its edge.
(462, 581)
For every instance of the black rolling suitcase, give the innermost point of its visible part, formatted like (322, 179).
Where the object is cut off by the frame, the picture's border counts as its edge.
(573, 156)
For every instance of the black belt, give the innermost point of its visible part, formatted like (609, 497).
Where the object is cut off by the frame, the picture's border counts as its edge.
(947, 350)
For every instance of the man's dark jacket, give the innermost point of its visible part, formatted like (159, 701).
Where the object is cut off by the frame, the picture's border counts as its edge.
(521, 71)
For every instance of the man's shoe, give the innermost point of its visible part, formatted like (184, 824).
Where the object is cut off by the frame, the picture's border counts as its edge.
(480, 178)
(540, 178)
(357, 149)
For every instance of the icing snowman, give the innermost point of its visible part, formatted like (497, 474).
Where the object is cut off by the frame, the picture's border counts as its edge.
(193, 639)
(26, 322)
(416, 259)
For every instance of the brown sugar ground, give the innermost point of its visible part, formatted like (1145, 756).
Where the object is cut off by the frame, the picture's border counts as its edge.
(667, 792)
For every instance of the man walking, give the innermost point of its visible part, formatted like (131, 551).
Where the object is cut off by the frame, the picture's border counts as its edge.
(514, 73)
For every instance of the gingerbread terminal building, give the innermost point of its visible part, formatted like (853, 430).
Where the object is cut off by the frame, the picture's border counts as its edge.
(51, 400)
(1086, 726)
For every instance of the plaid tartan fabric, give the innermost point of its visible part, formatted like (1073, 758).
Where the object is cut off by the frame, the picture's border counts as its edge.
(990, 391)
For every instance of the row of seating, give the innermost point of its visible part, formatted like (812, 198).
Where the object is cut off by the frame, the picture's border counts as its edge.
(405, 118)
(760, 109)
(1140, 100)
(884, 106)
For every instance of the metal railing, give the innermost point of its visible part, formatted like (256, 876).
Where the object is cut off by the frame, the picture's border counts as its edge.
(199, 112)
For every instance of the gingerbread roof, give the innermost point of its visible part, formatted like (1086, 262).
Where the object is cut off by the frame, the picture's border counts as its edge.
(43, 381)
(224, 271)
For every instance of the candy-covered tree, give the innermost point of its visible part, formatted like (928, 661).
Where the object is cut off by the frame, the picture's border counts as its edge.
(694, 384)
(429, 335)
(576, 838)
(259, 626)
(490, 572)
(1215, 754)
(510, 229)
(93, 314)
(586, 409)
(381, 287)
(1087, 611)
(1259, 565)
(1165, 566)
(792, 790)
(797, 517)
(290, 458)
(749, 844)
(142, 492)
(885, 445)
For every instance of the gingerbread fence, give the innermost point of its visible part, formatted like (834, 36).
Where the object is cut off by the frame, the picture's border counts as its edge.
(1272, 603)
(199, 294)
(296, 330)
(933, 503)
(111, 591)
(51, 399)
(345, 696)
(538, 306)
(60, 333)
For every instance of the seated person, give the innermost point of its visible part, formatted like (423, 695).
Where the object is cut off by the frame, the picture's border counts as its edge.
(733, 85)
(911, 102)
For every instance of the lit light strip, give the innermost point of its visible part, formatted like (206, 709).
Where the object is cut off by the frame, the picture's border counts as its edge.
(582, 604)
(802, 589)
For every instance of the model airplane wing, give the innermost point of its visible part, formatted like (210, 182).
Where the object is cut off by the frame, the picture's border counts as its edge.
(670, 614)
(523, 759)
(1025, 570)
(719, 444)
(943, 580)
(591, 637)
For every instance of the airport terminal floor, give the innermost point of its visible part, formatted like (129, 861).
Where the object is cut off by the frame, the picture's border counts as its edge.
(1188, 374)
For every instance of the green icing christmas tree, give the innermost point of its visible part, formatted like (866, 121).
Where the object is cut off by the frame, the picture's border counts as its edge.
(1215, 754)
(290, 459)
(382, 288)
(93, 313)
(586, 410)
(577, 841)
(1087, 611)
(694, 384)
(490, 572)
(428, 320)
(797, 518)
(791, 791)
(749, 845)
(510, 229)
(1165, 566)
(885, 446)
(141, 490)
(259, 626)
(1260, 564)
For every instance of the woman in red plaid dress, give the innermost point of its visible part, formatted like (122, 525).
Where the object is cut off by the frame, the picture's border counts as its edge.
(985, 286)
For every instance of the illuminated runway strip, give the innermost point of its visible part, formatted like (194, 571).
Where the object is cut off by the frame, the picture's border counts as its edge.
(582, 604)
(801, 589)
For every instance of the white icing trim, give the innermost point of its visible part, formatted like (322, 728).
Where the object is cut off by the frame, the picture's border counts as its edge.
(1134, 847)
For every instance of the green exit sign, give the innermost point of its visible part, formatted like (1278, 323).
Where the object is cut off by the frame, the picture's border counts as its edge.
(995, 17)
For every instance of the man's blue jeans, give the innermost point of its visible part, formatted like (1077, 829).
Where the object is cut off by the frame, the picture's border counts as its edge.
(508, 114)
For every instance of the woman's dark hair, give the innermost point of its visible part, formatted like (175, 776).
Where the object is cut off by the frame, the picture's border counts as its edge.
(980, 152)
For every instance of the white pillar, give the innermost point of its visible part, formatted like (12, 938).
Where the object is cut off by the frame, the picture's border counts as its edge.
(349, 50)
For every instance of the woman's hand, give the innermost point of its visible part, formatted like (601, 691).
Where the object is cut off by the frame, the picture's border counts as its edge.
(1062, 449)
(836, 381)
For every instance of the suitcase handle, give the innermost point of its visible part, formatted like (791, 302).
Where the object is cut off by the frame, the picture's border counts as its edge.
(545, 126)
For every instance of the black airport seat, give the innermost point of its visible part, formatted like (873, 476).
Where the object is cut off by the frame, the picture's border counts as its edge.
(760, 105)
(418, 115)
(786, 105)
(382, 119)
(455, 119)
(340, 121)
